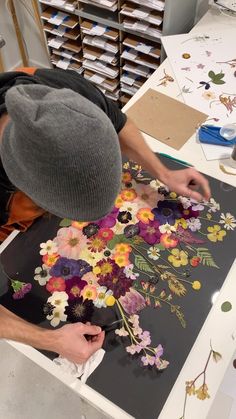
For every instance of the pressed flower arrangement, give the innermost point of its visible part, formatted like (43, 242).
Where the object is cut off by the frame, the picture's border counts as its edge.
(145, 253)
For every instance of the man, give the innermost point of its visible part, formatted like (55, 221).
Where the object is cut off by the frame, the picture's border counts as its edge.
(61, 143)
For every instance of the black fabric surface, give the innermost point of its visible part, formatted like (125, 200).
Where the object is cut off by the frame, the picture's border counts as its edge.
(138, 390)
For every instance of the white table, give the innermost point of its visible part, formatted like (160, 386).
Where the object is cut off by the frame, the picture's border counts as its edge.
(219, 327)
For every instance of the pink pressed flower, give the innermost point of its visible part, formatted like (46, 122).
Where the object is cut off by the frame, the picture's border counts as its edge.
(132, 302)
(70, 242)
(147, 194)
(90, 278)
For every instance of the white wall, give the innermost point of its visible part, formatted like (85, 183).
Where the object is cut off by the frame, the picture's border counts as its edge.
(10, 53)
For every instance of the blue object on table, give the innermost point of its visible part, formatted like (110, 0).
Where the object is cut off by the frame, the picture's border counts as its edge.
(210, 134)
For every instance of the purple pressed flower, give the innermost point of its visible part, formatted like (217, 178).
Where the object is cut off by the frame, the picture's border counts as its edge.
(108, 268)
(167, 212)
(83, 267)
(132, 302)
(131, 231)
(159, 351)
(150, 232)
(79, 310)
(118, 283)
(189, 213)
(148, 360)
(20, 289)
(107, 222)
(90, 230)
(65, 268)
(74, 286)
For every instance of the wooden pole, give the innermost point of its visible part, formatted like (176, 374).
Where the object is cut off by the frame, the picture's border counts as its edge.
(39, 22)
(1, 63)
(18, 33)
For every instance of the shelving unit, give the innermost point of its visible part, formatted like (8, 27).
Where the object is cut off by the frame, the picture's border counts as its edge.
(115, 44)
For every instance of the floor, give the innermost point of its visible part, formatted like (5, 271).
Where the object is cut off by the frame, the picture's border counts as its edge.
(28, 392)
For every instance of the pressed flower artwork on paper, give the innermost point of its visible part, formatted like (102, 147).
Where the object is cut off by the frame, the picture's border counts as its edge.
(145, 254)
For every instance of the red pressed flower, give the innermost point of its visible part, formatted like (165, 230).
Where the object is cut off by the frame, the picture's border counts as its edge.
(118, 283)
(105, 234)
(56, 284)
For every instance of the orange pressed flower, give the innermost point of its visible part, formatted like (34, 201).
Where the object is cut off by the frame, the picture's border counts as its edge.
(79, 224)
(126, 177)
(167, 241)
(121, 260)
(128, 194)
(50, 260)
(122, 249)
(119, 201)
(145, 215)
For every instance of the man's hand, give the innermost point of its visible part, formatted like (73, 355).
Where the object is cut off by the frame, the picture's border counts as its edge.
(186, 182)
(72, 345)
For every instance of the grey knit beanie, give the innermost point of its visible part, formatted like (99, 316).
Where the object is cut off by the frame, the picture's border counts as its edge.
(62, 151)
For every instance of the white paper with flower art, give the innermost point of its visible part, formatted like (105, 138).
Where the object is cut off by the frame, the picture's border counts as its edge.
(204, 66)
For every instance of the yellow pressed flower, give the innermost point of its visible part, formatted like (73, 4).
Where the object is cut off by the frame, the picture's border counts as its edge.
(215, 233)
(110, 301)
(126, 165)
(173, 195)
(121, 260)
(190, 388)
(126, 177)
(96, 270)
(209, 216)
(182, 223)
(196, 285)
(202, 392)
(178, 258)
(79, 224)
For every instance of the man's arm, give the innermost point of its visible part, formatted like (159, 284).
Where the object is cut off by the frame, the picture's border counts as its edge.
(68, 341)
(135, 148)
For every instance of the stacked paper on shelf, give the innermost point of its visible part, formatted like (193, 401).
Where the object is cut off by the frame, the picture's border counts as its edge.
(92, 28)
(68, 54)
(111, 95)
(68, 44)
(69, 5)
(142, 27)
(153, 4)
(139, 58)
(93, 53)
(137, 69)
(100, 42)
(142, 13)
(132, 79)
(56, 17)
(139, 44)
(66, 64)
(62, 31)
(101, 68)
(131, 90)
(105, 4)
(106, 83)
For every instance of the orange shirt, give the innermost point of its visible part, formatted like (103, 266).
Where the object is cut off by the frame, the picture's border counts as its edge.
(21, 209)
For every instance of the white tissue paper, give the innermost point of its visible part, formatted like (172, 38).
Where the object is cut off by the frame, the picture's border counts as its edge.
(81, 371)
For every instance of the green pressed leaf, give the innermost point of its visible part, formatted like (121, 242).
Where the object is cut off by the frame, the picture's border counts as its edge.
(159, 247)
(220, 75)
(142, 264)
(206, 257)
(211, 74)
(120, 238)
(218, 81)
(65, 222)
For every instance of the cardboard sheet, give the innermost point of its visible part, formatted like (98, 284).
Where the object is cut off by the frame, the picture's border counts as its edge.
(165, 119)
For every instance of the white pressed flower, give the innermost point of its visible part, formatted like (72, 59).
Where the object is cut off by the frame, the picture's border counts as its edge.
(58, 315)
(48, 248)
(102, 294)
(59, 299)
(121, 332)
(167, 228)
(194, 224)
(128, 271)
(153, 253)
(155, 184)
(214, 206)
(42, 274)
(185, 202)
(228, 220)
